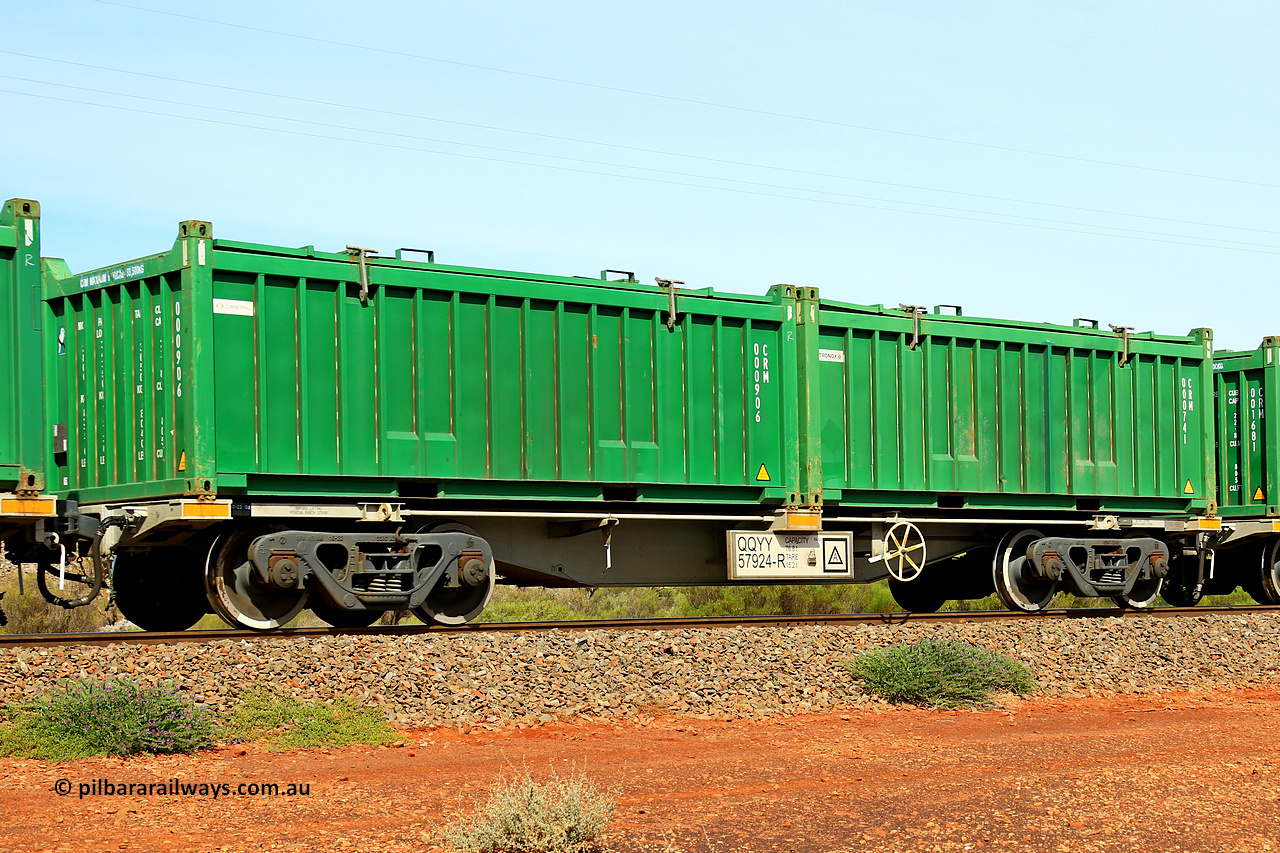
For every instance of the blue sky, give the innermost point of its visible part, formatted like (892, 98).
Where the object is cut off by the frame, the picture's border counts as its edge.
(1034, 161)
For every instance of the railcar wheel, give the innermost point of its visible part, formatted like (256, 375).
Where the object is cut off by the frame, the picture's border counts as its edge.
(1243, 566)
(343, 618)
(1269, 572)
(1144, 592)
(236, 592)
(1017, 588)
(461, 604)
(1142, 596)
(916, 596)
(156, 593)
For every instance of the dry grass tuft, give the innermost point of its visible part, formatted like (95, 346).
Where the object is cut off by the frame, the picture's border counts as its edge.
(557, 815)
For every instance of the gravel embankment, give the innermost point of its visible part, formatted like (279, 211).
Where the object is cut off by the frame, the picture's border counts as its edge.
(494, 680)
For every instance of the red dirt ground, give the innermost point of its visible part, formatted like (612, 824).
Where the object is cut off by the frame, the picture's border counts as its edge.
(1173, 772)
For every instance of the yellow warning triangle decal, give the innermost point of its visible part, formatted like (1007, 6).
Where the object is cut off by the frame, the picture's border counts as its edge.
(762, 476)
(1189, 489)
(1258, 495)
(182, 461)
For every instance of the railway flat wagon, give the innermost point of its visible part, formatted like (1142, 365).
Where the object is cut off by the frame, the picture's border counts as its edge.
(1248, 446)
(256, 430)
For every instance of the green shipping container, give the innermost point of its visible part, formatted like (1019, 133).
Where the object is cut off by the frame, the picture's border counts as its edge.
(926, 409)
(21, 379)
(1247, 440)
(234, 368)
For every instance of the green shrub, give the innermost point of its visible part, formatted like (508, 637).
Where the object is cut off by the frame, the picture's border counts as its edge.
(940, 674)
(286, 723)
(511, 604)
(559, 815)
(84, 718)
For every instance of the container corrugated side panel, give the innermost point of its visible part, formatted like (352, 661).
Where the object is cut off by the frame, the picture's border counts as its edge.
(494, 381)
(123, 348)
(1248, 441)
(21, 388)
(494, 384)
(1011, 415)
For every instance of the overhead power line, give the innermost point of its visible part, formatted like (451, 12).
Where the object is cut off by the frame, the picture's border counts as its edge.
(679, 99)
(619, 146)
(1210, 243)
(606, 164)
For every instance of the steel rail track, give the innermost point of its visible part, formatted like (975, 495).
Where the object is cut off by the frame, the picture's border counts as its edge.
(665, 624)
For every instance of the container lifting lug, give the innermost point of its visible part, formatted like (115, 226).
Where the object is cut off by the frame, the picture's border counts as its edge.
(360, 253)
(1123, 332)
(670, 285)
(915, 311)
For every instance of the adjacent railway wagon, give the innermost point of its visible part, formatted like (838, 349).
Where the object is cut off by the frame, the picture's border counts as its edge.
(1248, 460)
(255, 430)
(23, 497)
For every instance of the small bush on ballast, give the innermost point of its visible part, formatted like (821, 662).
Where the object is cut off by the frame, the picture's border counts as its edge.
(287, 723)
(84, 718)
(26, 612)
(940, 674)
(558, 815)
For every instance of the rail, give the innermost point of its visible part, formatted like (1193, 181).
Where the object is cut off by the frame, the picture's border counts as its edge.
(664, 624)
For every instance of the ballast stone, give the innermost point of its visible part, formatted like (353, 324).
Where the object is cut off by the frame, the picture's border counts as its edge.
(500, 680)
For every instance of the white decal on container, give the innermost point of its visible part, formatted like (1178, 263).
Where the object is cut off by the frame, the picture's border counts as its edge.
(836, 355)
(177, 347)
(761, 373)
(1188, 404)
(116, 275)
(31, 230)
(200, 253)
(237, 307)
